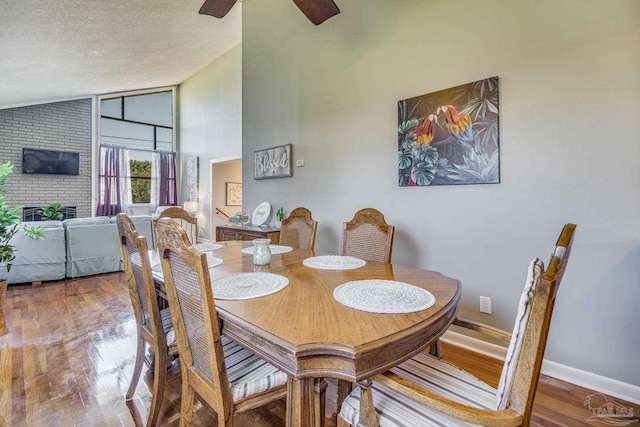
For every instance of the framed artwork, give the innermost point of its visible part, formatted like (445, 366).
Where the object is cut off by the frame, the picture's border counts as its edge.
(234, 194)
(272, 162)
(193, 178)
(450, 137)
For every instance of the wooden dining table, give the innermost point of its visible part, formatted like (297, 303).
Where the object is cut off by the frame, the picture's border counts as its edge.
(304, 331)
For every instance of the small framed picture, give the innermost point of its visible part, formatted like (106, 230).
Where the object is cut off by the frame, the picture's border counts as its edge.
(274, 162)
(234, 194)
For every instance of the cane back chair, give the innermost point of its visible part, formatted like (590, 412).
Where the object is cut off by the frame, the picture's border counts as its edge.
(425, 391)
(153, 325)
(368, 236)
(225, 375)
(298, 230)
(187, 222)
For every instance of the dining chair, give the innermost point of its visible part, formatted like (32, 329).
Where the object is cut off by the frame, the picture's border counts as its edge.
(298, 230)
(154, 326)
(368, 236)
(426, 391)
(226, 376)
(187, 222)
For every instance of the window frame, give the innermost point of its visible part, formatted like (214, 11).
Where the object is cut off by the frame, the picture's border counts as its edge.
(123, 95)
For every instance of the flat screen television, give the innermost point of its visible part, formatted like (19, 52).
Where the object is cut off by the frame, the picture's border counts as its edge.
(50, 162)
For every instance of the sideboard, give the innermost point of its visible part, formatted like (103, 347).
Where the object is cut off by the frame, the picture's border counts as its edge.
(247, 232)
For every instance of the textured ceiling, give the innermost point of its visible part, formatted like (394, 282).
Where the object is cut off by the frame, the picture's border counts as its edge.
(52, 50)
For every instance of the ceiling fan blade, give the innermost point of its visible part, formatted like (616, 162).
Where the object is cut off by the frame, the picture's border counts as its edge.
(317, 11)
(217, 8)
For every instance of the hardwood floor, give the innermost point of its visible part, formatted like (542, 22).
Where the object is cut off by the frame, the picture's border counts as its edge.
(70, 352)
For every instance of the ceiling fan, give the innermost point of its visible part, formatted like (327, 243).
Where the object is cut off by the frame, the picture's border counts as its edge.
(317, 11)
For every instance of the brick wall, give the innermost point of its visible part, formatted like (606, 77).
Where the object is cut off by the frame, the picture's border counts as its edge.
(63, 126)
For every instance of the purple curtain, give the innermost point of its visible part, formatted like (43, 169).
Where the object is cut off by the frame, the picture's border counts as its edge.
(113, 174)
(167, 184)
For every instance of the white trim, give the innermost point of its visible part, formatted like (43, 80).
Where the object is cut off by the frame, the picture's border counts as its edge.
(595, 382)
(624, 391)
(225, 159)
(479, 346)
(137, 92)
(95, 137)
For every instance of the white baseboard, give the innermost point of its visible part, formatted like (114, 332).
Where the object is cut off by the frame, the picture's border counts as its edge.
(595, 382)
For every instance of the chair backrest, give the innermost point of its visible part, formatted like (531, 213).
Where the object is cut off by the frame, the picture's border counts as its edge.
(541, 299)
(137, 268)
(299, 229)
(187, 283)
(368, 236)
(186, 221)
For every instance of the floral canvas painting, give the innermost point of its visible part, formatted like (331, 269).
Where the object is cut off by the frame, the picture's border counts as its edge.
(450, 137)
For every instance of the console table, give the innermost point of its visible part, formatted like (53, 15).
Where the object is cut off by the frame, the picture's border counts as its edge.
(247, 232)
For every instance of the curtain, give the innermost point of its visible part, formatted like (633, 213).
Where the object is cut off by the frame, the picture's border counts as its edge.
(114, 181)
(163, 180)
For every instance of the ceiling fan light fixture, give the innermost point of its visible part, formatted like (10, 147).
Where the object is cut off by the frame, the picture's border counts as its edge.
(216, 8)
(317, 11)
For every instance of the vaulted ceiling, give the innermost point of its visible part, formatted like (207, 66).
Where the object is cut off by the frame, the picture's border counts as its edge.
(65, 49)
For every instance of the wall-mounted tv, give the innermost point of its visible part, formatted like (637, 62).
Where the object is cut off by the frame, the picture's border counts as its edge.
(50, 162)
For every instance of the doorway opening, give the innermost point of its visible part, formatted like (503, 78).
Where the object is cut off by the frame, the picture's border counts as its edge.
(226, 192)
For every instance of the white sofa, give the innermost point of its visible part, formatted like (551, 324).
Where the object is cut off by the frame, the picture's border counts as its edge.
(38, 260)
(73, 248)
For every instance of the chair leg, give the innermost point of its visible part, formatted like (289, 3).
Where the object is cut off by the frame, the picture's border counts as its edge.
(341, 422)
(188, 400)
(368, 415)
(344, 389)
(159, 378)
(320, 387)
(138, 366)
(435, 350)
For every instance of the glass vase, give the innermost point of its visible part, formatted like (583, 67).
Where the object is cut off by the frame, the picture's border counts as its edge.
(261, 251)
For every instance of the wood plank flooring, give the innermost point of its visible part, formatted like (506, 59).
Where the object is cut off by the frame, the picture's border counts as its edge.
(70, 351)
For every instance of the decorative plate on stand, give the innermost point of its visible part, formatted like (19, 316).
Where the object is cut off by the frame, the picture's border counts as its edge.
(261, 214)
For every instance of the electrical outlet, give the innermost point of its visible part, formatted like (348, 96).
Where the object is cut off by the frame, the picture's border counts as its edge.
(485, 305)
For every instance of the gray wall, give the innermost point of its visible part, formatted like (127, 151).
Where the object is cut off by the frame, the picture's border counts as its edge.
(64, 126)
(569, 135)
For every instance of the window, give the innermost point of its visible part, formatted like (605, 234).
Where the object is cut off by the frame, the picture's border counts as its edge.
(142, 123)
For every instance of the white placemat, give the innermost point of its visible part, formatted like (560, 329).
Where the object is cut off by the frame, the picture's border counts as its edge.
(205, 247)
(212, 261)
(275, 249)
(334, 262)
(248, 285)
(383, 296)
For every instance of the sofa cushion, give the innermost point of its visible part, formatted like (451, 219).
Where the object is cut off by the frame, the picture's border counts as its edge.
(92, 249)
(41, 224)
(86, 221)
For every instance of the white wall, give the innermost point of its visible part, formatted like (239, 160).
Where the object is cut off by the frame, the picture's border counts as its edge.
(569, 145)
(211, 124)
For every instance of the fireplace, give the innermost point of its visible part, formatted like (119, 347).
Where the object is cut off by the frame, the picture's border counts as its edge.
(33, 213)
